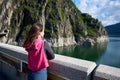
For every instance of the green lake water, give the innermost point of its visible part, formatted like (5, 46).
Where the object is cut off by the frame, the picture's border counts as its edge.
(103, 53)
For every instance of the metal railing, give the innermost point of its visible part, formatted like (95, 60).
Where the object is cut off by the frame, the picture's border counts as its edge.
(18, 64)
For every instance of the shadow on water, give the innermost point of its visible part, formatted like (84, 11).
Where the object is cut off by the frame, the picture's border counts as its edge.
(83, 52)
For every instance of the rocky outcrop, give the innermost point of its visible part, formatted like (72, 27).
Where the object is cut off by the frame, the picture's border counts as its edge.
(62, 41)
(6, 12)
(64, 23)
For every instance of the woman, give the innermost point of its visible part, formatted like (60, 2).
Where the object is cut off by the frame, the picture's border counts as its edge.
(38, 53)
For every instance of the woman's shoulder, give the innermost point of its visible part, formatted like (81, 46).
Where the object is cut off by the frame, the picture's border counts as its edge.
(39, 41)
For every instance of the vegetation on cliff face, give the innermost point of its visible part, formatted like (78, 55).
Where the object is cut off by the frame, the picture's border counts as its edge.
(94, 27)
(61, 19)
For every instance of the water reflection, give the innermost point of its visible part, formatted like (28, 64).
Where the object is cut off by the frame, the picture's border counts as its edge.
(82, 52)
(103, 53)
(111, 56)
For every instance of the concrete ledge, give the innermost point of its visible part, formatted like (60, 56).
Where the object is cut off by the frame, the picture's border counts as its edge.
(61, 68)
(65, 67)
(14, 51)
(104, 72)
(71, 68)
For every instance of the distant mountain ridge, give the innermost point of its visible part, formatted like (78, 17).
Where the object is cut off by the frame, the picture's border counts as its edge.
(113, 29)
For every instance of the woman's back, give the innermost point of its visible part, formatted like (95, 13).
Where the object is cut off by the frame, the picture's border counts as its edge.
(36, 57)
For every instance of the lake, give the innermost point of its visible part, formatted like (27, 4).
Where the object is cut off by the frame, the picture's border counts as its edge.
(107, 53)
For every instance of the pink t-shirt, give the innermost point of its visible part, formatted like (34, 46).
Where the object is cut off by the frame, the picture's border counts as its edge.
(37, 59)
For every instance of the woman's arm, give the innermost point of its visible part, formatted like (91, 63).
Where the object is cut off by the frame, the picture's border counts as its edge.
(48, 50)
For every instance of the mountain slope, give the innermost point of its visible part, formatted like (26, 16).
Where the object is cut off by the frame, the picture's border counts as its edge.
(64, 23)
(113, 29)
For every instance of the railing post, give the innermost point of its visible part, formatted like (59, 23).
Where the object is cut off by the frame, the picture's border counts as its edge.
(20, 65)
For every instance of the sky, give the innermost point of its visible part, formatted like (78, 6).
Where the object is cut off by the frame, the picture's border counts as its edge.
(107, 11)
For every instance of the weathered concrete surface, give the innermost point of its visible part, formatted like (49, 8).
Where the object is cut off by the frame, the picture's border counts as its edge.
(72, 68)
(65, 67)
(14, 51)
(104, 72)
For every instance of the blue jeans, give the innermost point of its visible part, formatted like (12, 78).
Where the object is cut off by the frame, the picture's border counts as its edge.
(37, 75)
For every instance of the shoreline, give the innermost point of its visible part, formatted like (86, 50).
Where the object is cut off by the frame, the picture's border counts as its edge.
(61, 42)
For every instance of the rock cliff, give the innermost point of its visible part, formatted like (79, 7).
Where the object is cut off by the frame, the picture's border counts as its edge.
(64, 23)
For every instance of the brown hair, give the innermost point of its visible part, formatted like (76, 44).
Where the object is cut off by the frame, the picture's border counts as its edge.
(33, 33)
